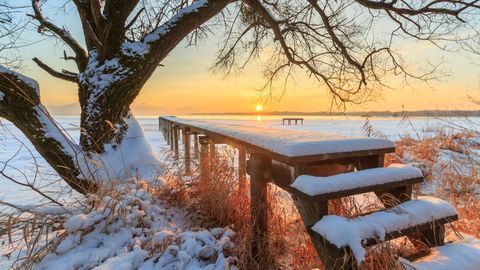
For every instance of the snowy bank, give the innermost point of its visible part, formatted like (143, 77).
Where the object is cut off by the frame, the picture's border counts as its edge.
(135, 231)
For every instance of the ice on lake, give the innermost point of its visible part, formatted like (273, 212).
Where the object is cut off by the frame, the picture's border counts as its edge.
(22, 166)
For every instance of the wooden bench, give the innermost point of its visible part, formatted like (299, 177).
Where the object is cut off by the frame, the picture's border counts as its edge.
(422, 219)
(352, 183)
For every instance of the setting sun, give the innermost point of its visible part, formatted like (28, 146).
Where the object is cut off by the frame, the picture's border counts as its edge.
(259, 108)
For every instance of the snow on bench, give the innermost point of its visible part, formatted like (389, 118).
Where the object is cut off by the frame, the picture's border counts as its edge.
(462, 254)
(352, 183)
(353, 233)
(288, 142)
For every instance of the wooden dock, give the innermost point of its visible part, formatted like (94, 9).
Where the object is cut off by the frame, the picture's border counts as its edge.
(290, 120)
(280, 157)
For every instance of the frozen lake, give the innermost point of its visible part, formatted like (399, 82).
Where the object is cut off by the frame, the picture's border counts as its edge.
(23, 160)
(22, 166)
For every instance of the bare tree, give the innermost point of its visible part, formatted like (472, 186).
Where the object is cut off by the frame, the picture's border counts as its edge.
(336, 42)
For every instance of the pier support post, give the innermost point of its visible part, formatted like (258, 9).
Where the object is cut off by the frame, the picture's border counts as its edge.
(204, 158)
(213, 152)
(175, 142)
(186, 143)
(170, 136)
(195, 145)
(242, 169)
(260, 168)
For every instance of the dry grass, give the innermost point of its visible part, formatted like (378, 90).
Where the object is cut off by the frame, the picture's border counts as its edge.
(456, 179)
(218, 201)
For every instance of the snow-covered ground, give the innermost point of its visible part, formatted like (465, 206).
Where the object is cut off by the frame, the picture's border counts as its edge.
(13, 144)
(393, 128)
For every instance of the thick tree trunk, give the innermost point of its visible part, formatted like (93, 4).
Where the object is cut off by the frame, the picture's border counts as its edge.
(112, 145)
(106, 92)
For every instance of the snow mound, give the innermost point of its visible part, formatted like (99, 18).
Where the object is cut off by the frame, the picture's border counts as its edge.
(132, 158)
(343, 232)
(135, 231)
(314, 185)
(462, 254)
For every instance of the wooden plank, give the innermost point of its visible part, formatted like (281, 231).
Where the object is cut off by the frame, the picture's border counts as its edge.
(414, 230)
(355, 191)
(259, 164)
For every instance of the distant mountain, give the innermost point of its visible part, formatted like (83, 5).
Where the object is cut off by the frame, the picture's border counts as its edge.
(142, 109)
(69, 109)
(420, 113)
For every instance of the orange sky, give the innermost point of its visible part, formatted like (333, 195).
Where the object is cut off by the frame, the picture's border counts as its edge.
(186, 85)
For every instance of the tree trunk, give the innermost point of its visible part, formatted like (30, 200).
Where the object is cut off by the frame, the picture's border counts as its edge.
(20, 104)
(106, 93)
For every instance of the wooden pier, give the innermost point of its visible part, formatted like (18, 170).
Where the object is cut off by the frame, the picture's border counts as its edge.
(290, 120)
(279, 157)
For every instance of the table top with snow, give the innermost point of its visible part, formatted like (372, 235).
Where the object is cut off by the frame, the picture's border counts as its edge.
(288, 143)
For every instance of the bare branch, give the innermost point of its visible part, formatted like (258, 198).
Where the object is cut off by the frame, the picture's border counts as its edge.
(80, 53)
(67, 76)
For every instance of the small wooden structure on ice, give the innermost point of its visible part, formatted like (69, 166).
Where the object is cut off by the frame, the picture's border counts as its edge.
(290, 120)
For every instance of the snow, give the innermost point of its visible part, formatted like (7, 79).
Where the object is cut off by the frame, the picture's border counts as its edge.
(161, 226)
(137, 231)
(313, 185)
(31, 82)
(52, 130)
(461, 254)
(140, 48)
(290, 143)
(343, 232)
(164, 28)
(43, 209)
(133, 157)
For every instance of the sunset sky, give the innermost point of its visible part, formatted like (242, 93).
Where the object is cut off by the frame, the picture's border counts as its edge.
(186, 85)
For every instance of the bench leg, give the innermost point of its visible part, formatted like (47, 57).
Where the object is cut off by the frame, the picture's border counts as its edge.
(242, 169)
(260, 165)
(311, 212)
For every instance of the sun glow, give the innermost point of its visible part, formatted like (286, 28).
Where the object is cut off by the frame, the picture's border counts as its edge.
(259, 108)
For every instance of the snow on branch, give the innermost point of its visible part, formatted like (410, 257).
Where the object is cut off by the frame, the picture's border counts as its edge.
(13, 77)
(179, 26)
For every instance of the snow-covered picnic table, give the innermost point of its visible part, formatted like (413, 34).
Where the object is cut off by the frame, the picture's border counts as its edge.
(287, 146)
(316, 168)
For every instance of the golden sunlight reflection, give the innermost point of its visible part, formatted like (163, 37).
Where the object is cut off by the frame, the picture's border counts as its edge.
(259, 118)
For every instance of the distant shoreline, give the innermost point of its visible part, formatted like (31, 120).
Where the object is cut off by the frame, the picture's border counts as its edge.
(422, 113)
